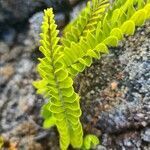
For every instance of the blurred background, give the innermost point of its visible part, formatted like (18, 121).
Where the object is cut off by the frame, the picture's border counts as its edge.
(18, 18)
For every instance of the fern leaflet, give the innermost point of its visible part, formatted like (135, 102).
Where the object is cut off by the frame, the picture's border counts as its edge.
(109, 31)
(86, 21)
(63, 109)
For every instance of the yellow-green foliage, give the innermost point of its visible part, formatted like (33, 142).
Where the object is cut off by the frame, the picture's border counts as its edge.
(56, 84)
(86, 21)
(99, 26)
(118, 21)
(1, 142)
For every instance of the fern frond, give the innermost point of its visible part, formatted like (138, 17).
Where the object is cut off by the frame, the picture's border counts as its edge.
(63, 108)
(86, 21)
(90, 141)
(86, 39)
(108, 33)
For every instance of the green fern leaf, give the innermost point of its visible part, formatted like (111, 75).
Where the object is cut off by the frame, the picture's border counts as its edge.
(49, 122)
(117, 33)
(147, 9)
(128, 27)
(90, 141)
(86, 21)
(63, 109)
(139, 17)
(111, 41)
(108, 33)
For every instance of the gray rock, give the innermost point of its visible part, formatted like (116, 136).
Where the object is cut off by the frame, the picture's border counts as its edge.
(146, 135)
(100, 147)
(6, 72)
(4, 48)
(60, 19)
(76, 10)
(133, 111)
(121, 112)
(35, 24)
(24, 66)
(8, 35)
(12, 54)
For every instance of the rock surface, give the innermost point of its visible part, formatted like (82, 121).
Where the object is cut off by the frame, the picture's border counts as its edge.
(116, 94)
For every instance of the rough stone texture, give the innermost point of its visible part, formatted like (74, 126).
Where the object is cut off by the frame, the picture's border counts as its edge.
(4, 48)
(20, 121)
(115, 94)
(5, 73)
(74, 13)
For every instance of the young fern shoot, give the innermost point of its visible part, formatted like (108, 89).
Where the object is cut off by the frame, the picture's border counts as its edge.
(98, 26)
(56, 84)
